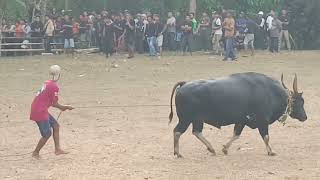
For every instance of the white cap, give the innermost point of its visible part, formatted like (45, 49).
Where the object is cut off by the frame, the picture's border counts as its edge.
(55, 72)
(260, 13)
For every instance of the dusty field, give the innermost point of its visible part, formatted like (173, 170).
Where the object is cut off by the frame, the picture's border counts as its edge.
(137, 143)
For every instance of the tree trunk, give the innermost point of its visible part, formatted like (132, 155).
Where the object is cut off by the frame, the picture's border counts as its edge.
(193, 6)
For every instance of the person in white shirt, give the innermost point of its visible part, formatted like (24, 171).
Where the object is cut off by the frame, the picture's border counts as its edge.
(171, 30)
(217, 32)
(269, 25)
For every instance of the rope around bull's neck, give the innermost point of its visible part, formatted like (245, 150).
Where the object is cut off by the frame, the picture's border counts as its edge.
(285, 115)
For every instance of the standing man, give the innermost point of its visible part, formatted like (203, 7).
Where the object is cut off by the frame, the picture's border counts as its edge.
(151, 36)
(260, 35)
(129, 35)
(48, 33)
(194, 23)
(37, 27)
(48, 97)
(140, 29)
(217, 32)
(269, 26)
(285, 29)
(108, 36)
(187, 35)
(171, 31)
(275, 34)
(178, 36)
(119, 24)
(159, 28)
(229, 27)
(68, 35)
(249, 35)
(205, 31)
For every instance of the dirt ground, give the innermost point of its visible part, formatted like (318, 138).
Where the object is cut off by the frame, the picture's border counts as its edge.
(137, 142)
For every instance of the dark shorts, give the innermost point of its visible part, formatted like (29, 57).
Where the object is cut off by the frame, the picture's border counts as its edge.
(46, 126)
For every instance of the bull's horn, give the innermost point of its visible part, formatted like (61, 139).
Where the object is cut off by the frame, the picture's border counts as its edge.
(295, 84)
(283, 82)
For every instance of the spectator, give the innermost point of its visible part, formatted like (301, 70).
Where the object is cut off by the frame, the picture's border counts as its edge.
(159, 28)
(27, 29)
(83, 28)
(178, 36)
(229, 27)
(260, 33)
(269, 26)
(217, 32)
(75, 28)
(68, 35)
(37, 27)
(285, 31)
(187, 35)
(249, 35)
(241, 24)
(54, 13)
(194, 23)
(58, 33)
(119, 24)
(108, 36)
(151, 36)
(19, 29)
(48, 33)
(98, 25)
(140, 30)
(171, 31)
(205, 31)
(275, 34)
(129, 35)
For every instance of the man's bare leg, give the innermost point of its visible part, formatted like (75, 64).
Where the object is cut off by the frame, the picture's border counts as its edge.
(41, 143)
(56, 139)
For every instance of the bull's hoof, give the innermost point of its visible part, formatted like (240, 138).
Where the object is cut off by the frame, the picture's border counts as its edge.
(212, 151)
(225, 150)
(271, 154)
(178, 155)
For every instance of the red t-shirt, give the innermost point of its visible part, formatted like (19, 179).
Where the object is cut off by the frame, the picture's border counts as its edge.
(46, 97)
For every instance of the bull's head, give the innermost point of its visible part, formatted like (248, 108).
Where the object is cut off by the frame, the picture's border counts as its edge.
(296, 102)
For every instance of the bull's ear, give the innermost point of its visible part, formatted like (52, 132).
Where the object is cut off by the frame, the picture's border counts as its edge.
(284, 86)
(295, 84)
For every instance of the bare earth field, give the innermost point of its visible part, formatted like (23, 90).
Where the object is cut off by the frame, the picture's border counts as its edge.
(137, 142)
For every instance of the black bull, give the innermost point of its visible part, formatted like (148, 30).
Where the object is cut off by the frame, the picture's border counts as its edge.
(243, 99)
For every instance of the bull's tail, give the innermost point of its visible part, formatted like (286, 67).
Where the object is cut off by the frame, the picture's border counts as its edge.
(179, 84)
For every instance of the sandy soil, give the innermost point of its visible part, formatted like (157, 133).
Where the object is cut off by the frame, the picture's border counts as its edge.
(136, 142)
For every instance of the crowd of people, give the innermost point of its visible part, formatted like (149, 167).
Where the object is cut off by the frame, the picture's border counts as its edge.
(221, 33)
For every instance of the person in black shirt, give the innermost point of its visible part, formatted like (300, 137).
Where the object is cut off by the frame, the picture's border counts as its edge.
(37, 28)
(159, 28)
(151, 36)
(250, 31)
(108, 36)
(285, 29)
(68, 35)
(187, 37)
(129, 35)
(140, 29)
(98, 25)
(119, 30)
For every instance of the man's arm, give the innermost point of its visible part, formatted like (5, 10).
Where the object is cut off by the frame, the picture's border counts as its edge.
(62, 107)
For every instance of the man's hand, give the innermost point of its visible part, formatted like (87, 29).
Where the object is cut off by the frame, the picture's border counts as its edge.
(67, 107)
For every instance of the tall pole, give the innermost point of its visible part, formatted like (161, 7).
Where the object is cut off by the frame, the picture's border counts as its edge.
(66, 5)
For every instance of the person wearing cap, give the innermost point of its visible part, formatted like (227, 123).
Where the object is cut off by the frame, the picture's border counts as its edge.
(260, 36)
(47, 97)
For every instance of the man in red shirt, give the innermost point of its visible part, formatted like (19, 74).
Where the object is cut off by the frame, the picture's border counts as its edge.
(47, 97)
